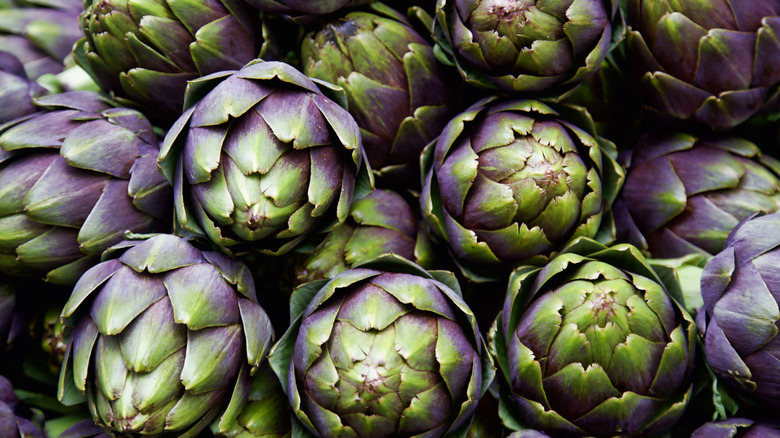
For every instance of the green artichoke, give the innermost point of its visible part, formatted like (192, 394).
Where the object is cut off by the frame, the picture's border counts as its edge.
(592, 344)
(710, 62)
(73, 178)
(741, 318)
(262, 160)
(145, 51)
(380, 223)
(512, 180)
(387, 69)
(684, 194)
(165, 337)
(40, 33)
(384, 349)
(522, 47)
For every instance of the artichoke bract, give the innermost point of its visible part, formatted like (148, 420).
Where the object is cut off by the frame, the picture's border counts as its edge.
(164, 338)
(40, 35)
(383, 349)
(73, 178)
(711, 62)
(741, 293)
(592, 344)
(380, 223)
(523, 47)
(399, 95)
(145, 51)
(16, 90)
(507, 181)
(737, 428)
(684, 194)
(262, 159)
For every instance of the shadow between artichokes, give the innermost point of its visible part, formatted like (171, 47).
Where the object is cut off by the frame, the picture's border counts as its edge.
(383, 349)
(593, 344)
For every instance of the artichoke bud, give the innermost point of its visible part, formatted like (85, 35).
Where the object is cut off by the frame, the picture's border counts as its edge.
(526, 46)
(512, 181)
(64, 172)
(145, 51)
(383, 349)
(266, 159)
(741, 310)
(684, 194)
(164, 337)
(386, 68)
(593, 345)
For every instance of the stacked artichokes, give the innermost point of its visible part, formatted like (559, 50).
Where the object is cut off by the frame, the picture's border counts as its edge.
(410, 218)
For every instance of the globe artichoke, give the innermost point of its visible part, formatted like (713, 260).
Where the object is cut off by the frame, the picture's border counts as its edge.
(16, 90)
(165, 337)
(145, 51)
(386, 68)
(41, 34)
(262, 160)
(592, 344)
(512, 180)
(12, 425)
(737, 428)
(522, 47)
(684, 194)
(380, 223)
(266, 413)
(708, 62)
(384, 349)
(73, 179)
(741, 293)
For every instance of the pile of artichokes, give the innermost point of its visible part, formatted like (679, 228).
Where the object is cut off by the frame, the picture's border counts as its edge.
(401, 218)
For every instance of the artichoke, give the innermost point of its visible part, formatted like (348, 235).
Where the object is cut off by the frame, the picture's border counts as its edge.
(383, 349)
(530, 46)
(262, 160)
(592, 344)
(73, 179)
(84, 429)
(380, 223)
(710, 62)
(683, 194)
(741, 291)
(386, 68)
(12, 425)
(165, 337)
(40, 33)
(737, 428)
(508, 181)
(145, 51)
(16, 90)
